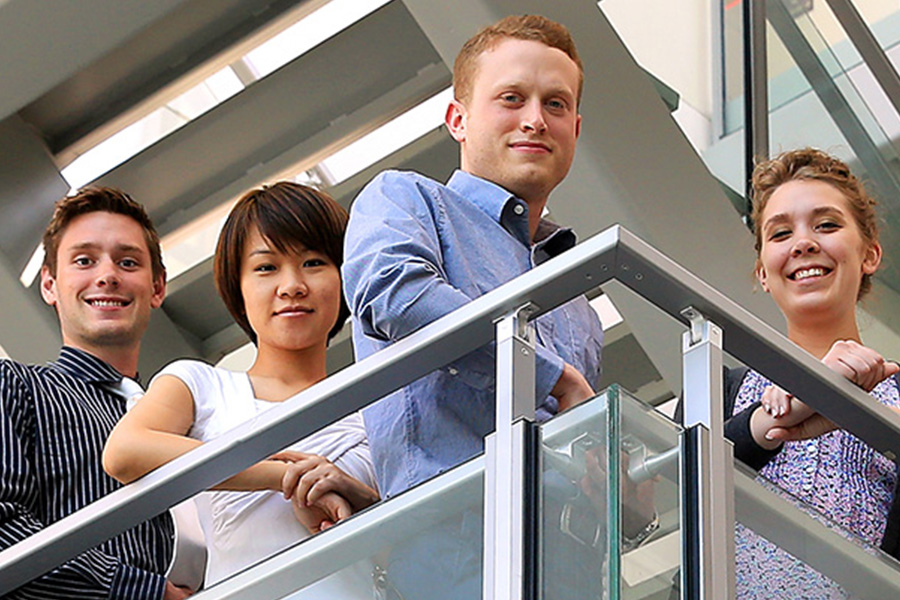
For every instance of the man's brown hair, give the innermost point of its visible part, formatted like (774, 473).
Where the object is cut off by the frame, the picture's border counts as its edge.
(520, 27)
(291, 217)
(99, 199)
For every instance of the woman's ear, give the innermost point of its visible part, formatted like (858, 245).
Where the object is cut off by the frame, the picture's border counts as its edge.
(872, 259)
(762, 276)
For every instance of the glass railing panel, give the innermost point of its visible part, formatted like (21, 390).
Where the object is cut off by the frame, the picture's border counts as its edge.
(425, 543)
(786, 548)
(610, 501)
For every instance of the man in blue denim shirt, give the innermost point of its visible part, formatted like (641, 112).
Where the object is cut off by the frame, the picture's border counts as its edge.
(417, 249)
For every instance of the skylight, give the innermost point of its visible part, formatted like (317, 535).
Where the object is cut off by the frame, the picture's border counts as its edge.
(258, 62)
(196, 241)
(268, 56)
(606, 311)
(128, 142)
(388, 138)
(308, 33)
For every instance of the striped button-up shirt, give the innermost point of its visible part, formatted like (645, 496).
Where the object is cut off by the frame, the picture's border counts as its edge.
(54, 421)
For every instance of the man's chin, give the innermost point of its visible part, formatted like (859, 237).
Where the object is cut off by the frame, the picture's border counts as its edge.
(120, 335)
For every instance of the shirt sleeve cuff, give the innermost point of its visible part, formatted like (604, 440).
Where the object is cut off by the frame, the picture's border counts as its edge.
(737, 429)
(131, 583)
(548, 369)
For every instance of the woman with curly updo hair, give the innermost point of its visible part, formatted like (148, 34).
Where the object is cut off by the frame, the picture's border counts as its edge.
(817, 249)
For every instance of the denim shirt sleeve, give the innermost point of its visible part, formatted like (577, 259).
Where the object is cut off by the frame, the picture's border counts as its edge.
(394, 279)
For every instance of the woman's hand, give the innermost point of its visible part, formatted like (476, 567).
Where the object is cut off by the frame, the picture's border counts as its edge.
(330, 509)
(310, 477)
(863, 366)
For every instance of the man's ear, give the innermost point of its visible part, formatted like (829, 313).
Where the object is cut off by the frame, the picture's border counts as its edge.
(159, 291)
(48, 286)
(578, 126)
(456, 120)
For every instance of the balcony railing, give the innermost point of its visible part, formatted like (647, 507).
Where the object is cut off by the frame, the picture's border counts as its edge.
(698, 499)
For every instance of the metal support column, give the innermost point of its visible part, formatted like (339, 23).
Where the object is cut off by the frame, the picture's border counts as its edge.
(708, 506)
(510, 553)
(756, 89)
(869, 49)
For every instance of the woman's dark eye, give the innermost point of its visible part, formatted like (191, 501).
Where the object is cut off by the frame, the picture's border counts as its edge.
(314, 262)
(779, 235)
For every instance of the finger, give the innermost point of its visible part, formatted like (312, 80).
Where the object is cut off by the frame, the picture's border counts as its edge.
(812, 427)
(776, 401)
(298, 470)
(324, 485)
(336, 507)
(289, 481)
(289, 456)
(322, 472)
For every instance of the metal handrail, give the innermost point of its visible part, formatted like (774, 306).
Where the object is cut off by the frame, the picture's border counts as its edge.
(613, 254)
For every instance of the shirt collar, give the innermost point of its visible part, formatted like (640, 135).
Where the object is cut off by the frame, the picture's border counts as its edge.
(550, 238)
(495, 201)
(85, 366)
(488, 196)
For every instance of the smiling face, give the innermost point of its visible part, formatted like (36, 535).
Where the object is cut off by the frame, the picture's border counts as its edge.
(813, 255)
(292, 299)
(519, 126)
(104, 286)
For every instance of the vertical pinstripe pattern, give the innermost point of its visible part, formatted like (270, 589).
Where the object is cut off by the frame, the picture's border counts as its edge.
(54, 420)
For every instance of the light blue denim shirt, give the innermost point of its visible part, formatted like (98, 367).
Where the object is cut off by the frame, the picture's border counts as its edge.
(415, 251)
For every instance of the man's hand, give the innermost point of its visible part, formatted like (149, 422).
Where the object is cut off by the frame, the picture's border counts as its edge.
(571, 388)
(638, 504)
(176, 592)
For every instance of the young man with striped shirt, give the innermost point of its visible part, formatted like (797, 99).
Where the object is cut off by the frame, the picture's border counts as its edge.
(103, 273)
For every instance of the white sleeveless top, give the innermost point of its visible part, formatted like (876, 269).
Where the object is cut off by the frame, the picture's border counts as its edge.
(243, 528)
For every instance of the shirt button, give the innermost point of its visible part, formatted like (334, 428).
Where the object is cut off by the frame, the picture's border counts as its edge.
(453, 371)
(518, 209)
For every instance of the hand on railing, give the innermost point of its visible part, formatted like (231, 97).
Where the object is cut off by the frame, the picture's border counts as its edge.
(786, 418)
(321, 493)
(863, 366)
(176, 592)
(638, 503)
(571, 388)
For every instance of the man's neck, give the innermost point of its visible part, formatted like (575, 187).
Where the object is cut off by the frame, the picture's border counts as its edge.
(535, 211)
(123, 360)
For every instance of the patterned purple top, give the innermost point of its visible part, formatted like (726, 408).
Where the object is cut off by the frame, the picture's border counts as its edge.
(836, 474)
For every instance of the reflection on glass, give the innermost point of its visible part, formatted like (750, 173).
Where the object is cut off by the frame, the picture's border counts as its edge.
(426, 543)
(611, 447)
(765, 570)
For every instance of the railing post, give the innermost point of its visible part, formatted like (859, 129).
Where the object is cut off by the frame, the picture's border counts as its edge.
(510, 552)
(708, 482)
